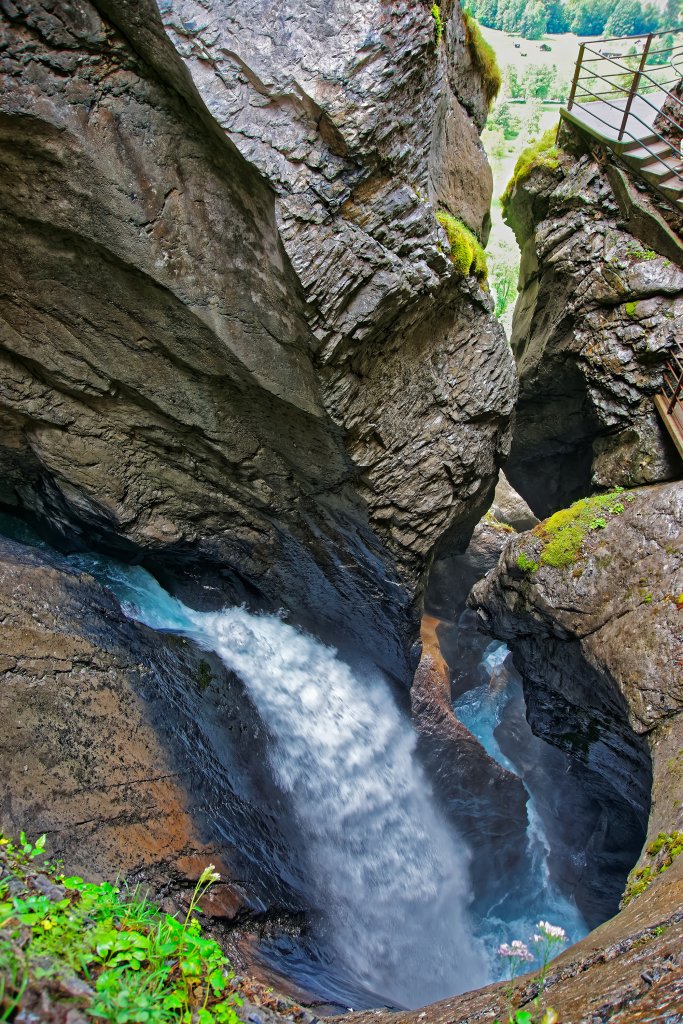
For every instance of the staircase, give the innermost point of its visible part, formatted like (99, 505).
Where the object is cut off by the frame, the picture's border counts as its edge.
(634, 106)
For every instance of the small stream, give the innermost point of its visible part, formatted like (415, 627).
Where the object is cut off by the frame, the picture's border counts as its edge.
(384, 872)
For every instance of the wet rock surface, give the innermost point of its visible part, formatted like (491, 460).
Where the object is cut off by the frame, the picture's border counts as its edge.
(600, 307)
(232, 343)
(135, 752)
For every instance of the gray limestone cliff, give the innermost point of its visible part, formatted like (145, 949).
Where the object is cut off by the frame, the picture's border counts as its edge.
(233, 344)
(600, 307)
(598, 644)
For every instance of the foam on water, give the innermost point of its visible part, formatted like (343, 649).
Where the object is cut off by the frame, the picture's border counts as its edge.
(386, 872)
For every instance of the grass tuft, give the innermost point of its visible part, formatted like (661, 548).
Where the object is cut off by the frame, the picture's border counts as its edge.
(466, 252)
(484, 59)
(663, 852)
(543, 153)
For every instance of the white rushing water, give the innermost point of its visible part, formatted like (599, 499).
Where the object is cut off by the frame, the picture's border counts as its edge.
(386, 872)
(482, 710)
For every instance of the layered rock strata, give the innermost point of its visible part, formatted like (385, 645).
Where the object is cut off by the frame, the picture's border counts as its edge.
(232, 341)
(600, 308)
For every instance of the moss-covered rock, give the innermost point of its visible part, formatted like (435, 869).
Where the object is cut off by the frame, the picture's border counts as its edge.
(466, 251)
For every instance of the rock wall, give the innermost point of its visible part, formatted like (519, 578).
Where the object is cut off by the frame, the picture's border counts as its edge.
(600, 306)
(232, 342)
(600, 647)
(598, 644)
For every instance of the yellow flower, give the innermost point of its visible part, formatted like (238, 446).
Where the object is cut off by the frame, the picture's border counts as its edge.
(47, 924)
(4, 842)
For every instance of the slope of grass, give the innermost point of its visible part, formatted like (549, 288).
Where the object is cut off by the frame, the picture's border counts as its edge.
(484, 58)
(542, 153)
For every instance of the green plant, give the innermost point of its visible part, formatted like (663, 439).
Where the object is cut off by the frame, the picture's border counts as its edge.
(438, 24)
(630, 308)
(115, 955)
(564, 532)
(663, 851)
(203, 675)
(542, 153)
(525, 563)
(466, 252)
(483, 58)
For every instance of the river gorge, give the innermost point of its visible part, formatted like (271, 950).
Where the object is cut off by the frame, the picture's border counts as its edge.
(267, 600)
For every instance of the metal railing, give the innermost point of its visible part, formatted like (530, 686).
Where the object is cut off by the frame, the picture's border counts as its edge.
(669, 401)
(607, 82)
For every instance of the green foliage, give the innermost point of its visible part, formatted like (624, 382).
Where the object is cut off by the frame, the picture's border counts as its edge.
(504, 277)
(631, 308)
(484, 59)
(563, 533)
(533, 18)
(663, 851)
(203, 675)
(543, 153)
(104, 949)
(525, 563)
(438, 24)
(501, 117)
(466, 252)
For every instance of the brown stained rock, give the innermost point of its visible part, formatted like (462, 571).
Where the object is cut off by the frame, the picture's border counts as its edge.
(598, 314)
(123, 760)
(486, 802)
(230, 339)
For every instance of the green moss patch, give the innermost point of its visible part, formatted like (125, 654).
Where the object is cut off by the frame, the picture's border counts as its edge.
(438, 24)
(563, 534)
(663, 852)
(526, 563)
(543, 153)
(631, 308)
(103, 950)
(466, 252)
(484, 59)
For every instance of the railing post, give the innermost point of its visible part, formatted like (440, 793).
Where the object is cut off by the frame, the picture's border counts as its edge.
(577, 72)
(633, 91)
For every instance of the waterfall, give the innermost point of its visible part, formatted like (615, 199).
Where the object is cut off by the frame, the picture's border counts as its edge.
(385, 871)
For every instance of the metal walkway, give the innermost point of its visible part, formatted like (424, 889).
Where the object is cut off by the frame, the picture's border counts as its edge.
(634, 106)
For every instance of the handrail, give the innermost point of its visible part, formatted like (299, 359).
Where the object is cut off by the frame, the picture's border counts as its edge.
(617, 90)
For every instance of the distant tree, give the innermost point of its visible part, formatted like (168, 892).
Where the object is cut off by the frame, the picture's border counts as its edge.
(515, 85)
(538, 81)
(534, 20)
(622, 20)
(632, 18)
(672, 16)
(589, 17)
(557, 16)
(660, 54)
(502, 119)
(487, 13)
